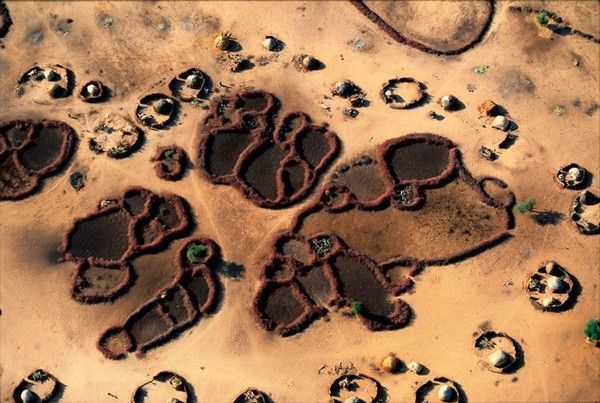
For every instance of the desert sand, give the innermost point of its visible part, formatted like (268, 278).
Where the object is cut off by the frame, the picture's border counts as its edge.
(548, 83)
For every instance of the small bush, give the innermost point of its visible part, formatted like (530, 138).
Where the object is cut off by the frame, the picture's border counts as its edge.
(526, 205)
(195, 253)
(592, 330)
(169, 154)
(356, 307)
(542, 19)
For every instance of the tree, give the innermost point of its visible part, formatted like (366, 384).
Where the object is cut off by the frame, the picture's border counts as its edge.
(526, 206)
(195, 253)
(356, 307)
(592, 331)
(542, 19)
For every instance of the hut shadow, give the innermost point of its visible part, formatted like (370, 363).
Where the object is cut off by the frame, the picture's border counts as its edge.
(519, 359)
(573, 296)
(191, 393)
(107, 95)
(229, 270)
(547, 217)
(587, 181)
(60, 390)
(508, 141)
(462, 396)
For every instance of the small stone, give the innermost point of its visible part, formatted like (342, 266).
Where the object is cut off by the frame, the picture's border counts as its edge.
(499, 358)
(446, 393)
(501, 123)
(93, 90)
(51, 75)
(390, 363)
(556, 284)
(194, 81)
(270, 43)
(415, 367)
(56, 91)
(575, 62)
(164, 106)
(353, 399)
(388, 93)
(431, 114)
(549, 301)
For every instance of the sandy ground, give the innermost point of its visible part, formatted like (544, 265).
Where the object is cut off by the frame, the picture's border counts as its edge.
(529, 75)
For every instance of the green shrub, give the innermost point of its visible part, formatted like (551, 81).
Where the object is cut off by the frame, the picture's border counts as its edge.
(592, 330)
(356, 307)
(526, 205)
(169, 154)
(542, 19)
(195, 253)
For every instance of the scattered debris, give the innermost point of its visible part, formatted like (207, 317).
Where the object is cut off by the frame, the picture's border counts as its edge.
(559, 111)
(349, 90)
(239, 63)
(488, 153)
(481, 69)
(115, 135)
(593, 108)
(359, 44)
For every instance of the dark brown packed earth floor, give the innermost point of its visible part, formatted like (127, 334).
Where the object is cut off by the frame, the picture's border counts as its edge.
(29, 152)
(274, 164)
